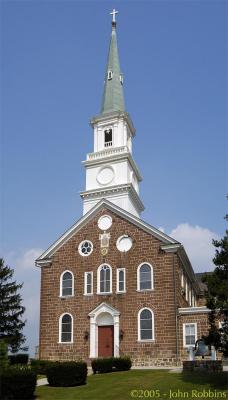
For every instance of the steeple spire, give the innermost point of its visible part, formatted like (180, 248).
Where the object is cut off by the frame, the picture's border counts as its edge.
(113, 97)
(111, 172)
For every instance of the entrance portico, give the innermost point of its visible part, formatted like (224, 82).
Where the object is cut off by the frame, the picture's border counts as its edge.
(104, 331)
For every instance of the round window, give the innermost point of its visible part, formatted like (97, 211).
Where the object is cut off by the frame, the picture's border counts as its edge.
(105, 222)
(85, 248)
(124, 243)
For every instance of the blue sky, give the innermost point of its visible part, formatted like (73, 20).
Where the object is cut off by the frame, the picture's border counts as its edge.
(173, 56)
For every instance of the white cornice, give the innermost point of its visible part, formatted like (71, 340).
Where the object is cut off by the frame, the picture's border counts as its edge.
(123, 188)
(91, 214)
(114, 158)
(43, 263)
(193, 310)
(170, 248)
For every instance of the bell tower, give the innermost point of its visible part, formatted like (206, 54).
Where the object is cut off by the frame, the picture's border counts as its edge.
(111, 171)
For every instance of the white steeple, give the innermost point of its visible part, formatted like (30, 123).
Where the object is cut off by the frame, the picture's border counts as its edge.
(111, 172)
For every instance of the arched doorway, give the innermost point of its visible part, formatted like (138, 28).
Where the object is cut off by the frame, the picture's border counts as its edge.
(104, 331)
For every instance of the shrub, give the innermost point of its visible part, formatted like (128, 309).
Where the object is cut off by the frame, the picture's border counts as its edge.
(122, 363)
(68, 373)
(20, 358)
(4, 362)
(17, 382)
(40, 366)
(102, 365)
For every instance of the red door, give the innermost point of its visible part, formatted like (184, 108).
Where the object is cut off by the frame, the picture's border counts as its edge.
(105, 341)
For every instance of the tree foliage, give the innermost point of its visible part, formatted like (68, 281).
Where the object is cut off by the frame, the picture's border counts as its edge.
(217, 296)
(11, 310)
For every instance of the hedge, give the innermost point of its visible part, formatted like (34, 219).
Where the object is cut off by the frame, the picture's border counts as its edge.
(69, 373)
(104, 365)
(20, 358)
(17, 382)
(122, 363)
(39, 366)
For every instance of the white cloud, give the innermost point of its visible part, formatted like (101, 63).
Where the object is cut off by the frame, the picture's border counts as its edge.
(198, 245)
(27, 260)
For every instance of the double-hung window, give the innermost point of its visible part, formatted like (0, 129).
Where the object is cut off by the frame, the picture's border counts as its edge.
(145, 277)
(189, 334)
(66, 328)
(121, 280)
(104, 279)
(88, 285)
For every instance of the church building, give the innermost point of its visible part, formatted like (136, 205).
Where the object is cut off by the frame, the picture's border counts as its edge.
(112, 284)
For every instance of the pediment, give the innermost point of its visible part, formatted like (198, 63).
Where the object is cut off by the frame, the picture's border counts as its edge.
(104, 308)
(45, 258)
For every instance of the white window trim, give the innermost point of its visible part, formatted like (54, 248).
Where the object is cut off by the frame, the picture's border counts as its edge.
(186, 290)
(110, 74)
(98, 279)
(190, 297)
(60, 328)
(61, 284)
(193, 299)
(139, 330)
(117, 280)
(79, 248)
(138, 278)
(182, 280)
(184, 335)
(85, 283)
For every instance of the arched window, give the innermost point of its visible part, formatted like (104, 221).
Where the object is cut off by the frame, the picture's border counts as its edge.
(66, 328)
(66, 284)
(104, 279)
(145, 324)
(108, 137)
(145, 277)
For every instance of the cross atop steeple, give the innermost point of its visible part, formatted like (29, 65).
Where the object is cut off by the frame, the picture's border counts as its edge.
(113, 13)
(113, 96)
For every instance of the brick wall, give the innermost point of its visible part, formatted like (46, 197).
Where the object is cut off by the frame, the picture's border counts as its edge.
(161, 300)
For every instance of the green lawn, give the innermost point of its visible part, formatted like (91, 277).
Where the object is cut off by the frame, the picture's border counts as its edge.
(141, 384)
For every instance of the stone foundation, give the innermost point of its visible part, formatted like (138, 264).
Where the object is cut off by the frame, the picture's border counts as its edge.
(203, 365)
(156, 362)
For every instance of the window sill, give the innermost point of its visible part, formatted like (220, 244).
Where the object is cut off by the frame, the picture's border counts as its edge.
(65, 342)
(88, 294)
(66, 297)
(104, 293)
(144, 290)
(122, 292)
(146, 341)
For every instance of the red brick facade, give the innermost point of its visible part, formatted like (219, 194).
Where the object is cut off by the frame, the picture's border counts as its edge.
(164, 300)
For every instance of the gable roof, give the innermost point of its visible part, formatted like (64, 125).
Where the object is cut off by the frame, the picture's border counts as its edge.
(165, 239)
(168, 244)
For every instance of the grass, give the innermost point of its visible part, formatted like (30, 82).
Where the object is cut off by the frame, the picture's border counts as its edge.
(119, 386)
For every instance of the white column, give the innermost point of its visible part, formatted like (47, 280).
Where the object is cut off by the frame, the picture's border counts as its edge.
(116, 336)
(92, 338)
(95, 139)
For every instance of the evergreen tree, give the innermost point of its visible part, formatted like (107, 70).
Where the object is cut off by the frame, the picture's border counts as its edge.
(11, 310)
(217, 296)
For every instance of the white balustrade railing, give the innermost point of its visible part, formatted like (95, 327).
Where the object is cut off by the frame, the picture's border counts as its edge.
(108, 152)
